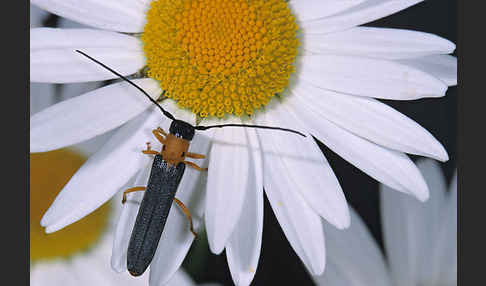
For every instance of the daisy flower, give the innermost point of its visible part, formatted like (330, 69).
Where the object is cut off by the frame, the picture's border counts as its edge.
(306, 65)
(420, 240)
(78, 254)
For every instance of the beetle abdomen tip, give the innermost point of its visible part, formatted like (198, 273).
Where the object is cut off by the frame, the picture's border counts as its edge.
(133, 273)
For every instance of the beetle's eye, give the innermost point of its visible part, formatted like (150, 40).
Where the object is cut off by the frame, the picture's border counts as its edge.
(183, 153)
(163, 147)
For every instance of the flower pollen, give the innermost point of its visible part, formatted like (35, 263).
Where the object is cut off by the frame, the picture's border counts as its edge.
(220, 57)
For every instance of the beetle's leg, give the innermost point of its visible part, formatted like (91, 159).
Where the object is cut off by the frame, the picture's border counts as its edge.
(161, 131)
(158, 134)
(191, 164)
(195, 155)
(185, 210)
(134, 189)
(149, 151)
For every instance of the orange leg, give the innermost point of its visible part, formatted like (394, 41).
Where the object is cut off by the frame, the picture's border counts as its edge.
(159, 133)
(191, 164)
(195, 155)
(149, 151)
(134, 189)
(185, 210)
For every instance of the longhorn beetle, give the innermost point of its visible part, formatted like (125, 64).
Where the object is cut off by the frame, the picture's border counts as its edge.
(167, 170)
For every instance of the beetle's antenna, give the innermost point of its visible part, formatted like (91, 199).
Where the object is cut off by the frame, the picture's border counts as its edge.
(250, 126)
(165, 112)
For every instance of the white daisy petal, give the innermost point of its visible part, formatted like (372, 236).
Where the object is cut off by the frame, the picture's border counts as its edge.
(126, 221)
(42, 95)
(300, 223)
(96, 268)
(176, 238)
(228, 181)
(370, 119)
(365, 12)
(103, 174)
(71, 90)
(88, 115)
(314, 9)
(369, 77)
(181, 278)
(40, 274)
(244, 245)
(118, 15)
(53, 57)
(378, 43)
(411, 228)
(444, 67)
(353, 257)
(390, 167)
(37, 16)
(307, 172)
(447, 244)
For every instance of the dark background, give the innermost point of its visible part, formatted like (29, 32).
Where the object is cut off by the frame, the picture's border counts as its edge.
(279, 265)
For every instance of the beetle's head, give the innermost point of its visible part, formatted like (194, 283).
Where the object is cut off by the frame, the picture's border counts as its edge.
(175, 149)
(182, 129)
(177, 142)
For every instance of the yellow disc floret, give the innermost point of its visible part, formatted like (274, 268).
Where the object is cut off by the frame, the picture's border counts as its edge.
(220, 57)
(49, 172)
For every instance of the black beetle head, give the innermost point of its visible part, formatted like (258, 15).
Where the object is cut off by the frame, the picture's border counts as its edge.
(182, 130)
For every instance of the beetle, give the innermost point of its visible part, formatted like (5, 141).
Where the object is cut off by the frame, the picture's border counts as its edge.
(167, 170)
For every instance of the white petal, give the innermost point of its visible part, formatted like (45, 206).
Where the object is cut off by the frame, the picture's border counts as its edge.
(53, 57)
(300, 223)
(365, 12)
(371, 119)
(378, 43)
(314, 9)
(181, 278)
(126, 221)
(176, 238)
(244, 245)
(51, 273)
(444, 67)
(71, 90)
(103, 174)
(42, 95)
(369, 77)
(410, 228)
(228, 182)
(306, 172)
(86, 116)
(118, 15)
(390, 167)
(37, 16)
(446, 246)
(353, 257)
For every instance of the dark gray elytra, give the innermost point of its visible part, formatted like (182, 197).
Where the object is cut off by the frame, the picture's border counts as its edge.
(152, 215)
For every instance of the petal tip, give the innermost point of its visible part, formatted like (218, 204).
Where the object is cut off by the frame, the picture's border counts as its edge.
(318, 270)
(243, 279)
(215, 247)
(443, 157)
(343, 221)
(51, 229)
(422, 195)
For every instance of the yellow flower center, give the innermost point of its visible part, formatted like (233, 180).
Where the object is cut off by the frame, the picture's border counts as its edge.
(220, 57)
(49, 172)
